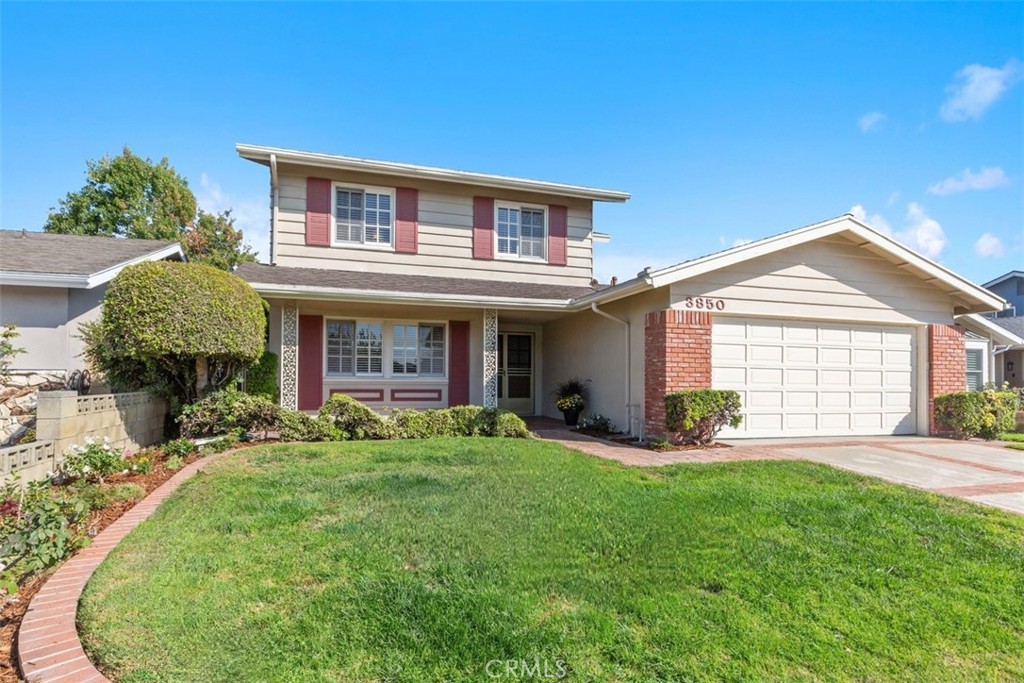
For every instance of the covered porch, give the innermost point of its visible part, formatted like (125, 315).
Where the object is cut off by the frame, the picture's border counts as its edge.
(393, 356)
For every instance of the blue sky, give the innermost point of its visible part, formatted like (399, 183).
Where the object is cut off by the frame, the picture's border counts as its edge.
(726, 122)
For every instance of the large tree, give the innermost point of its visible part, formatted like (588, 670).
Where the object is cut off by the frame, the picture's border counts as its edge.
(129, 196)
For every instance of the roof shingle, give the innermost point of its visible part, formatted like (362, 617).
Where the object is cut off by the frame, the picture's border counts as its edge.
(391, 282)
(50, 253)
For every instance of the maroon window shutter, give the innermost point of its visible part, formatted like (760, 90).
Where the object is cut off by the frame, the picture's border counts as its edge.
(311, 362)
(558, 230)
(458, 362)
(483, 227)
(318, 212)
(407, 220)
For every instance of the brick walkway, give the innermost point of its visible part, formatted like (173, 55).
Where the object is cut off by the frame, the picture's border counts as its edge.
(48, 647)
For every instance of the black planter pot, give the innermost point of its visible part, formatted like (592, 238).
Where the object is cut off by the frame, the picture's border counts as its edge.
(572, 417)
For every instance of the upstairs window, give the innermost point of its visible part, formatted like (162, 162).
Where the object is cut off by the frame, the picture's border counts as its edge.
(363, 216)
(520, 231)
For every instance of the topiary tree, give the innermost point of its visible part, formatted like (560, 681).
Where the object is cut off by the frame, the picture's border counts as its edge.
(181, 329)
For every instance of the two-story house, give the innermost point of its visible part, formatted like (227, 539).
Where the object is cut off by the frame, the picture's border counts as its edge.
(413, 286)
(1009, 365)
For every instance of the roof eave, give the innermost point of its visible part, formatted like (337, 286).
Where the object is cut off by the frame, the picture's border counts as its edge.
(80, 281)
(408, 298)
(262, 155)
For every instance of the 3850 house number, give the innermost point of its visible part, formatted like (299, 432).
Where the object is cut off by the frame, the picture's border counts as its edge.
(703, 303)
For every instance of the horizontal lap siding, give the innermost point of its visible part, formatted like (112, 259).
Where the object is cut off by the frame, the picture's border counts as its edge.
(445, 241)
(830, 279)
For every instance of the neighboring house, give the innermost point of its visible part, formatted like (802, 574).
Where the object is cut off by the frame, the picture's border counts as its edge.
(1010, 286)
(411, 286)
(49, 284)
(1009, 358)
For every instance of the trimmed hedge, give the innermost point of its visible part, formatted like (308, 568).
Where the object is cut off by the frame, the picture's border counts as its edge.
(261, 377)
(342, 418)
(697, 415)
(984, 413)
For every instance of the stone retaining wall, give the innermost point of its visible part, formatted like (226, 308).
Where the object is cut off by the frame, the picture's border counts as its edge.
(18, 397)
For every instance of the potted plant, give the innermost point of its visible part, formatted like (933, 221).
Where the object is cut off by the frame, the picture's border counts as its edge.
(571, 397)
(571, 407)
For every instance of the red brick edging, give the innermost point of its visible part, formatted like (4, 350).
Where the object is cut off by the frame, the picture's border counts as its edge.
(49, 650)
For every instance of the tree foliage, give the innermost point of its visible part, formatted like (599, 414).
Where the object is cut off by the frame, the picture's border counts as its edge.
(179, 328)
(129, 196)
(215, 241)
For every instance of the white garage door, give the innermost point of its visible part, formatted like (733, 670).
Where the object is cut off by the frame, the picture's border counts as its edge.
(816, 379)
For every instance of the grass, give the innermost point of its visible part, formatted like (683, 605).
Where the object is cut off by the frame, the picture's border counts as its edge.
(1011, 436)
(425, 560)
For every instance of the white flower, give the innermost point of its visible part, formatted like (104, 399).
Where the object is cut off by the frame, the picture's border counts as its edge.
(106, 439)
(85, 469)
(89, 441)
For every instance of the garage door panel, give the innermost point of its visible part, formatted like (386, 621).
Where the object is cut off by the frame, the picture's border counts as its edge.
(810, 379)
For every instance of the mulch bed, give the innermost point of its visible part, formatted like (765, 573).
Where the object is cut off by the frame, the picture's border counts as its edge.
(13, 607)
(660, 447)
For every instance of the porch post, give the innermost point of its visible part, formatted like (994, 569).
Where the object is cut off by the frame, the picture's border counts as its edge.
(490, 358)
(290, 355)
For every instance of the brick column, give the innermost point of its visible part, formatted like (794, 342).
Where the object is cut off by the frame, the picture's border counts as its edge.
(947, 366)
(677, 355)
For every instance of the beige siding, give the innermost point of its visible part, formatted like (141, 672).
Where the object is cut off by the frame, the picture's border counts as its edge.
(445, 236)
(829, 279)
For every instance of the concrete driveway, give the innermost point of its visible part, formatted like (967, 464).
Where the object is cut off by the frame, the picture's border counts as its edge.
(986, 473)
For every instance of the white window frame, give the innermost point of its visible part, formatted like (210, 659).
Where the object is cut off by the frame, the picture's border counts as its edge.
(387, 338)
(543, 258)
(377, 246)
(982, 346)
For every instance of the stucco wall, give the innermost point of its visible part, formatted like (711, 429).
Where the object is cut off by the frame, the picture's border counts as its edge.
(445, 234)
(591, 347)
(41, 314)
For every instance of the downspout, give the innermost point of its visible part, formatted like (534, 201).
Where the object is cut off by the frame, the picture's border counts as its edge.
(625, 327)
(274, 199)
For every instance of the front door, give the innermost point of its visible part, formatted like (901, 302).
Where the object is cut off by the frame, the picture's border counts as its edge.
(515, 372)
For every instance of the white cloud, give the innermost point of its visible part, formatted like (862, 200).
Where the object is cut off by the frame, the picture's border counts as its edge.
(985, 179)
(871, 121)
(893, 198)
(989, 246)
(731, 244)
(251, 214)
(921, 232)
(876, 220)
(975, 88)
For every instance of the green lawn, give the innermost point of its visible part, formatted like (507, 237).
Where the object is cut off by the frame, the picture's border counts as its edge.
(425, 560)
(1012, 436)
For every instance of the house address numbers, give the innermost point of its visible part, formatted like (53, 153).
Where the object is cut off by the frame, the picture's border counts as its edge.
(703, 303)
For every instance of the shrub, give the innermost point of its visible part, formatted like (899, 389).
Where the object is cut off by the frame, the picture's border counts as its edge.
(598, 423)
(93, 461)
(355, 420)
(464, 419)
(261, 377)
(699, 414)
(181, 328)
(141, 461)
(574, 386)
(295, 425)
(226, 411)
(976, 413)
(496, 422)
(39, 527)
(8, 333)
(179, 448)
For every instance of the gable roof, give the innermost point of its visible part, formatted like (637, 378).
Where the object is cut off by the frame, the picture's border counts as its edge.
(972, 298)
(1009, 331)
(44, 259)
(271, 155)
(1003, 278)
(1014, 325)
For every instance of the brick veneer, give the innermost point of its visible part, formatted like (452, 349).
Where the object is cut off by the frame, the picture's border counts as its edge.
(947, 366)
(677, 355)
